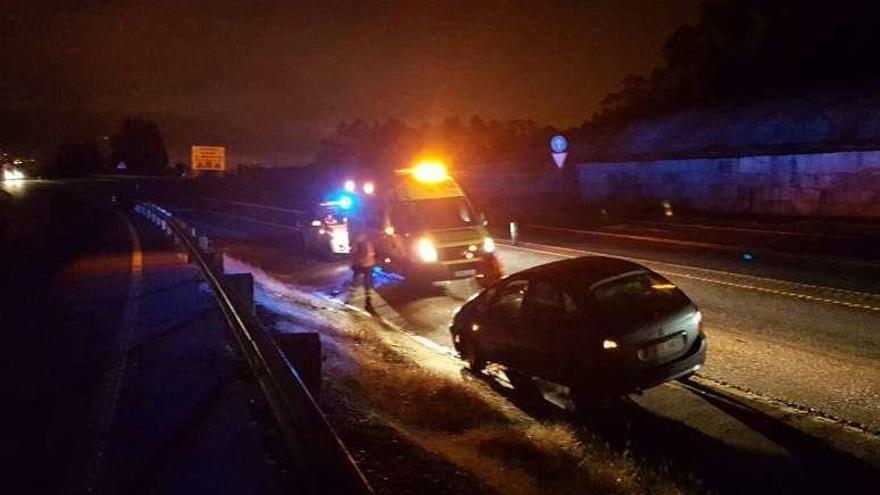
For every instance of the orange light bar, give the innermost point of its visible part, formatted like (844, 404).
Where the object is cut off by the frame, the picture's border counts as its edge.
(430, 171)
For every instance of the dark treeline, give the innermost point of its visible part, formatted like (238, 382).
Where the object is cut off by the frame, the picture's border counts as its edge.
(138, 145)
(467, 144)
(738, 52)
(745, 50)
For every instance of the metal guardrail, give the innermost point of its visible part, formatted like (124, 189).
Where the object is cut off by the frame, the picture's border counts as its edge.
(328, 466)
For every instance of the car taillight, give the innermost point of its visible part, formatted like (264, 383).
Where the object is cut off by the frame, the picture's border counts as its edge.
(698, 320)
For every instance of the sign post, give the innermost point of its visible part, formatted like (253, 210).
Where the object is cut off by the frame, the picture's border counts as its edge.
(559, 152)
(208, 158)
(559, 149)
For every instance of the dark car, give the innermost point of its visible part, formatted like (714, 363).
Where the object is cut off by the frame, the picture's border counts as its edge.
(601, 326)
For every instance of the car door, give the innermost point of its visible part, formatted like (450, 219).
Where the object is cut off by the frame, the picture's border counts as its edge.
(499, 321)
(549, 316)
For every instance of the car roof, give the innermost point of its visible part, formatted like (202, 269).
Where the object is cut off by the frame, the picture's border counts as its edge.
(585, 270)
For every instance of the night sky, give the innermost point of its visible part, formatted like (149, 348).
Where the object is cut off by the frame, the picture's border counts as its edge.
(268, 78)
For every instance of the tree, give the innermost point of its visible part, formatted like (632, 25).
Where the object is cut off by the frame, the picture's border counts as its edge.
(743, 50)
(141, 147)
(76, 160)
(358, 147)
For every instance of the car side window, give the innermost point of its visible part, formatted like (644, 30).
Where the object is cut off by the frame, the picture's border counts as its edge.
(509, 299)
(548, 303)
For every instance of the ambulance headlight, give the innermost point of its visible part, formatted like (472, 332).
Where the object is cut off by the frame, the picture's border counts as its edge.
(488, 245)
(426, 250)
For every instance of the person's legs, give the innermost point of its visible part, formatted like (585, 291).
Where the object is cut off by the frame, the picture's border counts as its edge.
(368, 279)
(368, 289)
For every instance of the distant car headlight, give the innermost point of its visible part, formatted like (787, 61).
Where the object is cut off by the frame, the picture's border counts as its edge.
(609, 344)
(426, 249)
(488, 245)
(12, 174)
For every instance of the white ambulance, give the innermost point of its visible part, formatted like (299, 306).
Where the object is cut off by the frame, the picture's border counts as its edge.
(423, 226)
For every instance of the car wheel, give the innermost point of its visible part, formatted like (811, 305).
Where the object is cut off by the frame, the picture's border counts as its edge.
(474, 356)
(686, 378)
(587, 400)
(299, 241)
(327, 255)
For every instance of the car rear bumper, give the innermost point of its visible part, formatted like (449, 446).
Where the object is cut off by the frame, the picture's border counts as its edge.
(439, 271)
(616, 382)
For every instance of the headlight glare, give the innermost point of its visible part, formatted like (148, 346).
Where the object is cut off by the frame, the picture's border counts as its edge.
(488, 245)
(426, 250)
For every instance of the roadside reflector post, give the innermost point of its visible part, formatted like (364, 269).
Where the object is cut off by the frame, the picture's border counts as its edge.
(514, 233)
(303, 350)
(243, 285)
(214, 259)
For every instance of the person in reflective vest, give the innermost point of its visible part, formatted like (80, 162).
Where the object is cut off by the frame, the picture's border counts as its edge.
(363, 261)
(491, 271)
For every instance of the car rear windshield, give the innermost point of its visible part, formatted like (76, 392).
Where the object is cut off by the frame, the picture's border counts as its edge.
(426, 214)
(630, 302)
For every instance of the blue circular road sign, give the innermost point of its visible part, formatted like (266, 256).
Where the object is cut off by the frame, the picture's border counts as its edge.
(558, 144)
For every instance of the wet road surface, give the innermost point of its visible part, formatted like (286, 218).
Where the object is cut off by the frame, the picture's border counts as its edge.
(119, 376)
(780, 350)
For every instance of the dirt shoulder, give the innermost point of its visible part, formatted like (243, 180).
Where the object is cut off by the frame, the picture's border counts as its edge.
(417, 422)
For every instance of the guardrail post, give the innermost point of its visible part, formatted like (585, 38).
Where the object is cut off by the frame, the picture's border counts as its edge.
(289, 376)
(303, 350)
(243, 284)
(214, 259)
(514, 233)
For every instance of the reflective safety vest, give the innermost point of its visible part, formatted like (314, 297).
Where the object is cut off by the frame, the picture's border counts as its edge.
(363, 255)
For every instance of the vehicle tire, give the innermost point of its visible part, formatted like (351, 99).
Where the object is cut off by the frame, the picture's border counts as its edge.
(587, 400)
(686, 378)
(299, 240)
(327, 255)
(474, 356)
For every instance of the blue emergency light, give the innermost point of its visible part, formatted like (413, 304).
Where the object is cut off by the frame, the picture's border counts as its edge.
(345, 202)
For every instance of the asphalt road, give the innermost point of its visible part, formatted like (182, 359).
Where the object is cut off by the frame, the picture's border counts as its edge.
(789, 341)
(117, 375)
(806, 337)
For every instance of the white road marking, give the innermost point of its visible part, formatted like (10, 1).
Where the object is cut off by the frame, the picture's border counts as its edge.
(745, 229)
(104, 407)
(239, 217)
(796, 295)
(252, 205)
(722, 247)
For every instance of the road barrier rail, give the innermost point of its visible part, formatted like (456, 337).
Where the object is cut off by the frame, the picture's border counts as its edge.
(325, 462)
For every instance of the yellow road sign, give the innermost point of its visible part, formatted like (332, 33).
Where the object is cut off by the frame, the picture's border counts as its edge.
(208, 158)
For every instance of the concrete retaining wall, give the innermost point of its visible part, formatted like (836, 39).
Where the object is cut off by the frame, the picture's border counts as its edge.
(845, 184)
